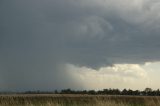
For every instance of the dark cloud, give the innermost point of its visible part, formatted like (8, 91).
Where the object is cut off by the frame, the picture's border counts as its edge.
(36, 36)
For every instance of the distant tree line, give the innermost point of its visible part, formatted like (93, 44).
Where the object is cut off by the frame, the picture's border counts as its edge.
(145, 92)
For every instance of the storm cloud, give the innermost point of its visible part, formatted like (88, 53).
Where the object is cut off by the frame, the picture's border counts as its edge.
(38, 37)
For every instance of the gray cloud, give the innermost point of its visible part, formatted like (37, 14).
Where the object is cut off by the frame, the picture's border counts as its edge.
(36, 36)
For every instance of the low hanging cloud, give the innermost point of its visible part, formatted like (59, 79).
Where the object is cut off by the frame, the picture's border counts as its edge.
(37, 36)
(120, 75)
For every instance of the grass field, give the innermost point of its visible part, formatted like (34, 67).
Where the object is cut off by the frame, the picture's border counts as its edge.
(77, 100)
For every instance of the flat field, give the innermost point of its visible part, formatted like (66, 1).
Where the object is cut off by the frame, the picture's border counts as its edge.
(77, 100)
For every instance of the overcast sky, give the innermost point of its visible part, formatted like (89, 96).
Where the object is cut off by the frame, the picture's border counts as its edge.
(79, 44)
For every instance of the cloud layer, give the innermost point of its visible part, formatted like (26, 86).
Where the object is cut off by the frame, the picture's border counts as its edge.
(118, 76)
(37, 36)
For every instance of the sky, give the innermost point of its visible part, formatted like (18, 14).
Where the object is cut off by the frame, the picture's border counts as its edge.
(79, 44)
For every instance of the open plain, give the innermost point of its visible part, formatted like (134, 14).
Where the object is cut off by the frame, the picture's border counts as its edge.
(77, 100)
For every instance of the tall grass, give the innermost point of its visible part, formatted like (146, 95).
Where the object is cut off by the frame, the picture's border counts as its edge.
(77, 100)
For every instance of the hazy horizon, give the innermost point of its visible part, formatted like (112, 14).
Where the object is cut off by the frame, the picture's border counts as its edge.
(79, 44)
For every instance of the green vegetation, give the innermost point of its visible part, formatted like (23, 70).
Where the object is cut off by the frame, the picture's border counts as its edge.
(145, 92)
(68, 97)
(77, 100)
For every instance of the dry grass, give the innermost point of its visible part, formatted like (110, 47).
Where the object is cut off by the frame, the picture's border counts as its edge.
(77, 100)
